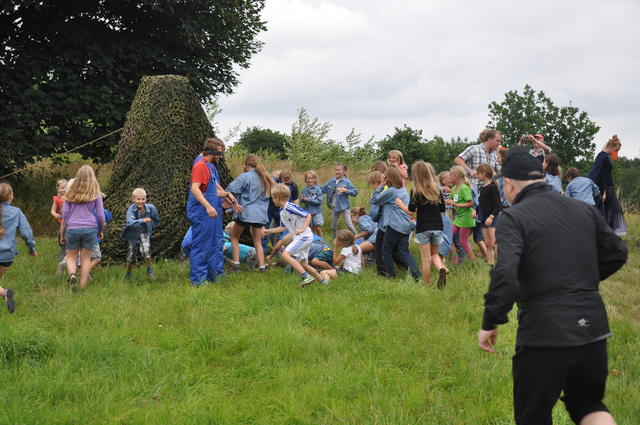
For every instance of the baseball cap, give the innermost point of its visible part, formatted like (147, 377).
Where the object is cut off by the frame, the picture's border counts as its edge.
(520, 165)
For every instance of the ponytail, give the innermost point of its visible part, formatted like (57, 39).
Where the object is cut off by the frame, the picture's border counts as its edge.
(267, 183)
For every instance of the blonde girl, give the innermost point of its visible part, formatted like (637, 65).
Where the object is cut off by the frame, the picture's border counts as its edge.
(461, 199)
(347, 256)
(12, 223)
(338, 190)
(56, 212)
(82, 206)
(252, 190)
(312, 196)
(427, 203)
(368, 229)
(395, 159)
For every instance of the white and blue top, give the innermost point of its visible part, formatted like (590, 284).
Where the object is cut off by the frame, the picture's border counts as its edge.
(554, 182)
(314, 195)
(252, 196)
(582, 189)
(292, 217)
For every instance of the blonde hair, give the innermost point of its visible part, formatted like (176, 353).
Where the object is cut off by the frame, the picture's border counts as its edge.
(311, 173)
(441, 177)
(424, 181)
(85, 187)
(346, 239)
(6, 193)
(138, 191)
(375, 177)
(280, 191)
(458, 171)
(60, 183)
(267, 183)
(613, 142)
(393, 177)
(397, 154)
(360, 211)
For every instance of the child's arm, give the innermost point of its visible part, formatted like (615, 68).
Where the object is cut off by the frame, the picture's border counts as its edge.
(404, 208)
(273, 230)
(381, 197)
(275, 249)
(130, 219)
(27, 234)
(313, 201)
(351, 189)
(54, 210)
(155, 219)
(305, 225)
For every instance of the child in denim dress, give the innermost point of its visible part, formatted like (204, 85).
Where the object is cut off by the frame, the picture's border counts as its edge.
(312, 201)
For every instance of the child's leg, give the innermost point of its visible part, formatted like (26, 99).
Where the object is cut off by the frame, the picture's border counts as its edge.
(335, 216)
(436, 260)
(256, 236)
(329, 274)
(403, 253)
(85, 261)
(313, 272)
(349, 223)
(3, 269)
(288, 258)
(388, 247)
(321, 264)
(367, 247)
(72, 261)
(489, 235)
(235, 233)
(479, 240)
(464, 241)
(425, 256)
(380, 268)
(317, 230)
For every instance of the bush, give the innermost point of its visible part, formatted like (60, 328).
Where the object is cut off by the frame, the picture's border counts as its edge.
(257, 140)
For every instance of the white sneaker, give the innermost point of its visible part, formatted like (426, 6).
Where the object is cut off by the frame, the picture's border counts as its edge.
(62, 266)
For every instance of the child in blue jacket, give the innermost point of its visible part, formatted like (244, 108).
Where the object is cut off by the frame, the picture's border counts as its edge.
(312, 201)
(140, 218)
(338, 190)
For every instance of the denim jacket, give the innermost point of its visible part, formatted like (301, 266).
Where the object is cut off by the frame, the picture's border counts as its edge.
(135, 224)
(366, 224)
(14, 222)
(342, 199)
(314, 195)
(392, 215)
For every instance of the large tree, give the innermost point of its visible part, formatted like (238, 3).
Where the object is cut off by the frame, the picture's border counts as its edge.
(567, 130)
(69, 69)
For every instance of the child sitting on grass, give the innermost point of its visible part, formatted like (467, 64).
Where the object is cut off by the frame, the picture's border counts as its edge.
(296, 221)
(140, 218)
(347, 256)
(368, 229)
(312, 200)
(12, 222)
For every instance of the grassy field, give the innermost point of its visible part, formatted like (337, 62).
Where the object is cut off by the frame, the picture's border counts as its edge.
(255, 349)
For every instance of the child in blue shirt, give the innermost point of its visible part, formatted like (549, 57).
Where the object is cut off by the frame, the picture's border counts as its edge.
(551, 165)
(252, 190)
(12, 222)
(140, 220)
(338, 190)
(368, 230)
(312, 201)
(581, 188)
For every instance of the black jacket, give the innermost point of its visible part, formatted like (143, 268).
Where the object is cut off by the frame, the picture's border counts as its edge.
(553, 253)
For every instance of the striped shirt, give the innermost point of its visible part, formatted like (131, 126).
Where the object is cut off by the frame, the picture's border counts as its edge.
(293, 217)
(475, 155)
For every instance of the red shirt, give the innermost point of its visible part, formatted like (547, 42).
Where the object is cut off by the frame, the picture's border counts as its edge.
(200, 174)
(59, 203)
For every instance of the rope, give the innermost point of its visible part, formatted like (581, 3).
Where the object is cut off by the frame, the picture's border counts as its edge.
(67, 152)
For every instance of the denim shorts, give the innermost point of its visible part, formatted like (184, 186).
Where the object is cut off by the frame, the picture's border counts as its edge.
(317, 219)
(82, 238)
(493, 223)
(434, 237)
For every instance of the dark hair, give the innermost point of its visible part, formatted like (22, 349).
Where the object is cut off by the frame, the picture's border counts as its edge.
(572, 173)
(553, 164)
(212, 144)
(359, 210)
(393, 177)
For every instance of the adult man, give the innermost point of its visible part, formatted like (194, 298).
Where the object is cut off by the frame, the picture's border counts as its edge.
(204, 210)
(482, 153)
(538, 149)
(553, 253)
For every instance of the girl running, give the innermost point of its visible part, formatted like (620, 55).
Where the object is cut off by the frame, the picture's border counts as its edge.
(461, 199)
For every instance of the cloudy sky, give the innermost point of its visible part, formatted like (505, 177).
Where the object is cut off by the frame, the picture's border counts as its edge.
(436, 65)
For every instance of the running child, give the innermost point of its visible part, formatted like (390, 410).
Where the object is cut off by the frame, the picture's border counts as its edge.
(551, 166)
(489, 206)
(395, 159)
(56, 212)
(296, 221)
(461, 199)
(82, 224)
(368, 229)
(252, 190)
(338, 190)
(12, 223)
(396, 225)
(140, 220)
(581, 188)
(347, 256)
(312, 200)
(427, 203)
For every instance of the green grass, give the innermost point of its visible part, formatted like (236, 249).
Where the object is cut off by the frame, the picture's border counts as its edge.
(255, 349)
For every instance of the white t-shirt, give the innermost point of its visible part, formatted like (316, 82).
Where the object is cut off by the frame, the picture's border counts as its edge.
(352, 262)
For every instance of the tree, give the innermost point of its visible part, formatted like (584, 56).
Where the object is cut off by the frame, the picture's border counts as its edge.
(255, 140)
(406, 140)
(164, 132)
(69, 70)
(441, 153)
(310, 145)
(567, 130)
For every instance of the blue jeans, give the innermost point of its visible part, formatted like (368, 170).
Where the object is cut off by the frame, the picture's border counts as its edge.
(399, 243)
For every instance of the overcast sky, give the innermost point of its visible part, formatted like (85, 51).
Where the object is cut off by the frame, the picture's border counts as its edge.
(435, 65)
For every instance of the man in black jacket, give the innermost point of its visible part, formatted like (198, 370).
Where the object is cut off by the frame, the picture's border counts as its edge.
(553, 253)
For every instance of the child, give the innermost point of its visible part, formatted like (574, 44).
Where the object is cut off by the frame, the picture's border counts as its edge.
(380, 166)
(140, 220)
(427, 202)
(462, 200)
(56, 212)
(395, 224)
(286, 178)
(551, 165)
(502, 154)
(338, 190)
(12, 222)
(395, 159)
(312, 198)
(489, 204)
(368, 229)
(349, 258)
(296, 221)
(478, 238)
(581, 188)
(82, 207)
(252, 190)
(96, 253)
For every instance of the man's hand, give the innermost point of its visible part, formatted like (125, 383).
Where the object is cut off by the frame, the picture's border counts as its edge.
(264, 232)
(231, 198)
(211, 212)
(237, 208)
(487, 339)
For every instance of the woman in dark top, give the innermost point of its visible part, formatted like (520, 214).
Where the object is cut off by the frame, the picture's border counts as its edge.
(601, 174)
(489, 205)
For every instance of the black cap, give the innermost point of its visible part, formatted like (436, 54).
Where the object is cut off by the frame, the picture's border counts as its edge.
(519, 164)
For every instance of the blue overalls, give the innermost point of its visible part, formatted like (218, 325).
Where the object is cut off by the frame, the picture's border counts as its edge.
(206, 259)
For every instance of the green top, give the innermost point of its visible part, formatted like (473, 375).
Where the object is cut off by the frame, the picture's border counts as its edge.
(460, 195)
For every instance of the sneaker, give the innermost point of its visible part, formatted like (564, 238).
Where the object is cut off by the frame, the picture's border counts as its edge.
(8, 300)
(307, 281)
(324, 282)
(442, 278)
(73, 282)
(235, 268)
(62, 266)
(262, 269)
(151, 275)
